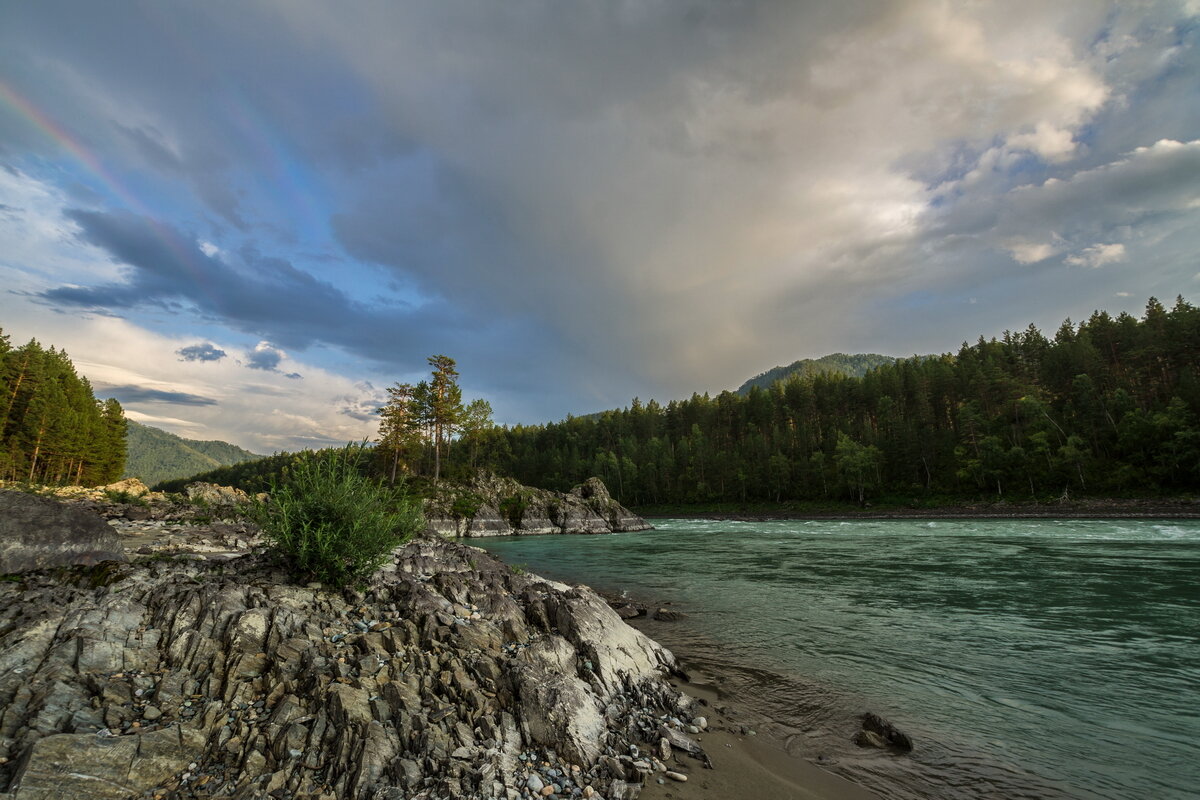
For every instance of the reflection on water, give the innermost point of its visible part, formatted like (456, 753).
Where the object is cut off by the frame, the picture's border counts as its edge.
(1028, 658)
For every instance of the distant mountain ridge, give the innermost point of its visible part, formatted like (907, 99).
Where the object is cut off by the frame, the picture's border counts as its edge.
(852, 366)
(155, 455)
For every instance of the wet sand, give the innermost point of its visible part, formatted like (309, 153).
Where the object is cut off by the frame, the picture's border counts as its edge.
(745, 766)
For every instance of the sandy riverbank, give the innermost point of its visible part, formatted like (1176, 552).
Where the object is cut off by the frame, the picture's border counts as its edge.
(746, 766)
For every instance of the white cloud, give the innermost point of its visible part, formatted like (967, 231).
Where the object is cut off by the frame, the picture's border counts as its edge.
(261, 411)
(1029, 253)
(1098, 255)
(1050, 142)
(38, 242)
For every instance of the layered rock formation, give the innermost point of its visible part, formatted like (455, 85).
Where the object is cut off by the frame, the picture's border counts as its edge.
(210, 676)
(37, 532)
(495, 506)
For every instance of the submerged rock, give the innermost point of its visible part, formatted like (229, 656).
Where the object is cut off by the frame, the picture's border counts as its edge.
(878, 732)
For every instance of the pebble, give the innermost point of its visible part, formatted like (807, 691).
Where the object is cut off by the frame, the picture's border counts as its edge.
(534, 783)
(677, 776)
(547, 790)
(151, 713)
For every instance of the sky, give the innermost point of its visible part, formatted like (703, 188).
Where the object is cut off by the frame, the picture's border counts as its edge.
(245, 219)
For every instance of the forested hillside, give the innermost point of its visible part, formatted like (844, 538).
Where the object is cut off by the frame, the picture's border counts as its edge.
(155, 455)
(252, 476)
(1106, 407)
(54, 430)
(852, 366)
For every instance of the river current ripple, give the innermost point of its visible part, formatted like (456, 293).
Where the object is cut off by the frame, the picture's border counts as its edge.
(1026, 658)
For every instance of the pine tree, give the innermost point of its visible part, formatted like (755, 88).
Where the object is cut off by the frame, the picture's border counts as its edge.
(445, 406)
(399, 429)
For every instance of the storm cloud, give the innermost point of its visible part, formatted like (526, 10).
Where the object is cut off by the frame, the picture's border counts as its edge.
(589, 202)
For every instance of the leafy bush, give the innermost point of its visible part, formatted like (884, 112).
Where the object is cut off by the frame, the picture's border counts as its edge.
(329, 523)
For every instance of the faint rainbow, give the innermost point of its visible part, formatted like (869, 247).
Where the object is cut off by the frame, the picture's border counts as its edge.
(184, 250)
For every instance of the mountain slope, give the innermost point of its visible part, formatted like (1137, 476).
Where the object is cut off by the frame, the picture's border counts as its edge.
(853, 366)
(155, 455)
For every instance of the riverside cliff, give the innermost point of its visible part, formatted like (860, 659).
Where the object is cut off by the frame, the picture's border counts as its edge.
(495, 506)
(206, 674)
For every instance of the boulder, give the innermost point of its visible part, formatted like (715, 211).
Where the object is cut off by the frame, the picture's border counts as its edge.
(130, 486)
(216, 495)
(617, 651)
(558, 710)
(37, 532)
(617, 518)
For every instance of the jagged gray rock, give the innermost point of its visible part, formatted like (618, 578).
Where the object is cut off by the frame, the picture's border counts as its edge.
(448, 675)
(37, 532)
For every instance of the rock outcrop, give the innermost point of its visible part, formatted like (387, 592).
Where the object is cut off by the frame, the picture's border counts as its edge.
(215, 495)
(37, 532)
(448, 676)
(495, 506)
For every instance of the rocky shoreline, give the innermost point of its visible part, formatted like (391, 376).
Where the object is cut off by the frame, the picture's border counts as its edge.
(495, 506)
(194, 669)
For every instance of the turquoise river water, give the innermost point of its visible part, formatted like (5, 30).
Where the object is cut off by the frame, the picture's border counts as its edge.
(1026, 658)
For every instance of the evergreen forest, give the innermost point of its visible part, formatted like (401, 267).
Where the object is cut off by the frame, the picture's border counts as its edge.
(54, 430)
(1109, 407)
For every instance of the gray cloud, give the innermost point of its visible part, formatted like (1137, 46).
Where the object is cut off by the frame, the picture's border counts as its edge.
(628, 198)
(265, 357)
(200, 352)
(140, 394)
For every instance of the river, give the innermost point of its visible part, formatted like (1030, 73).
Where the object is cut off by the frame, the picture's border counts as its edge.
(1026, 658)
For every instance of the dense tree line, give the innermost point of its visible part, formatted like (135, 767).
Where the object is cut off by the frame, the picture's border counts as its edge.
(54, 430)
(1106, 407)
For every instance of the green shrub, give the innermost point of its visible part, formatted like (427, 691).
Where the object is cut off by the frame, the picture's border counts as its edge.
(513, 508)
(466, 505)
(329, 523)
(122, 496)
